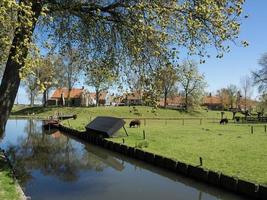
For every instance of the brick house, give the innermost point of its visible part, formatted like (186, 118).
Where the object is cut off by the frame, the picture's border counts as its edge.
(173, 102)
(212, 102)
(134, 98)
(77, 97)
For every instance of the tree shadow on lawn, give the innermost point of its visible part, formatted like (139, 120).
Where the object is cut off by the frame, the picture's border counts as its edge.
(32, 110)
(193, 113)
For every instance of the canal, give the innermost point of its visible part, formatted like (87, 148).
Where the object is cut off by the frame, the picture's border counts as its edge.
(53, 166)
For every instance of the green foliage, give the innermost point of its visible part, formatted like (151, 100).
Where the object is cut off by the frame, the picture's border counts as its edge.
(229, 96)
(192, 82)
(136, 29)
(70, 63)
(101, 73)
(167, 79)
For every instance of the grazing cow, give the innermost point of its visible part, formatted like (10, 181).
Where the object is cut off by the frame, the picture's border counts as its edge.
(224, 121)
(135, 122)
(237, 119)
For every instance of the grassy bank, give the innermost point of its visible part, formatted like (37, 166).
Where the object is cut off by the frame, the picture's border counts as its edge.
(122, 111)
(8, 187)
(231, 149)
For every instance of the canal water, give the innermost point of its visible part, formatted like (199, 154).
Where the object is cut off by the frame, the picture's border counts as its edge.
(53, 166)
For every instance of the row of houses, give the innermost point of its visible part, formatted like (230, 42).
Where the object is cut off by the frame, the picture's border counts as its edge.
(75, 97)
(82, 97)
(211, 103)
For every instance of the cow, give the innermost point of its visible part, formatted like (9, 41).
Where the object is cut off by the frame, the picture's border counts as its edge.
(135, 122)
(224, 121)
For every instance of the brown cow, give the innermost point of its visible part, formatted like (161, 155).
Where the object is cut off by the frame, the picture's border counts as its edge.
(135, 122)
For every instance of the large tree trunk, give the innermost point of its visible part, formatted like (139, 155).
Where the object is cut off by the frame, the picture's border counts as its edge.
(11, 79)
(32, 98)
(165, 99)
(45, 98)
(186, 101)
(97, 97)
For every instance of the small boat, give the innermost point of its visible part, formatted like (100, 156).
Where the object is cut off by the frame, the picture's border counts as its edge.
(50, 123)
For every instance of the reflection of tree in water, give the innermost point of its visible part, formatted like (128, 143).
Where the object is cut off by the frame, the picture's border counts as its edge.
(97, 154)
(54, 157)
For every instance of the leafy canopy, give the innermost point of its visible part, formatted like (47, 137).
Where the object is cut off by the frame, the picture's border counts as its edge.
(136, 29)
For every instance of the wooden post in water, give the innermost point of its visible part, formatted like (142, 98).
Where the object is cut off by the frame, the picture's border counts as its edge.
(251, 130)
(265, 128)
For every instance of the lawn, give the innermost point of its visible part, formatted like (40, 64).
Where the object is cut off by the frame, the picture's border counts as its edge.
(8, 187)
(231, 149)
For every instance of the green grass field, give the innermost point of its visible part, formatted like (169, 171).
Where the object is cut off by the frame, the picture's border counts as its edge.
(8, 187)
(231, 149)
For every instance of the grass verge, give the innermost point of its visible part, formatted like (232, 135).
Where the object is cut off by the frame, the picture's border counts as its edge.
(9, 189)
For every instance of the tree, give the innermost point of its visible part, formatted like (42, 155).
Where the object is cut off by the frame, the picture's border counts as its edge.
(41, 77)
(191, 81)
(47, 76)
(31, 80)
(31, 84)
(224, 97)
(246, 88)
(260, 76)
(168, 78)
(100, 74)
(232, 94)
(70, 62)
(228, 96)
(132, 27)
(8, 15)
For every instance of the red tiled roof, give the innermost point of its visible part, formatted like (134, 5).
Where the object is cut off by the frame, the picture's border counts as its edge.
(176, 100)
(133, 96)
(102, 95)
(74, 93)
(211, 100)
(249, 102)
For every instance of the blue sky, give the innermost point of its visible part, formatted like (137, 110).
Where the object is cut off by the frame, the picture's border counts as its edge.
(240, 61)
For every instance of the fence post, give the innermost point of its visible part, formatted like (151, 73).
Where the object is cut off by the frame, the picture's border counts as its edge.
(144, 134)
(251, 130)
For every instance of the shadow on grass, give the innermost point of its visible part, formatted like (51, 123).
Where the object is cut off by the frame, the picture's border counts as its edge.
(31, 110)
(189, 112)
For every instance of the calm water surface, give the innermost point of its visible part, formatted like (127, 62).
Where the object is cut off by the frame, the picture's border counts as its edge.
(52, 166)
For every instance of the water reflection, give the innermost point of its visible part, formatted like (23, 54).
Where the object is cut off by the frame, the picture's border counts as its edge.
(51, 153)
(53, 166)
